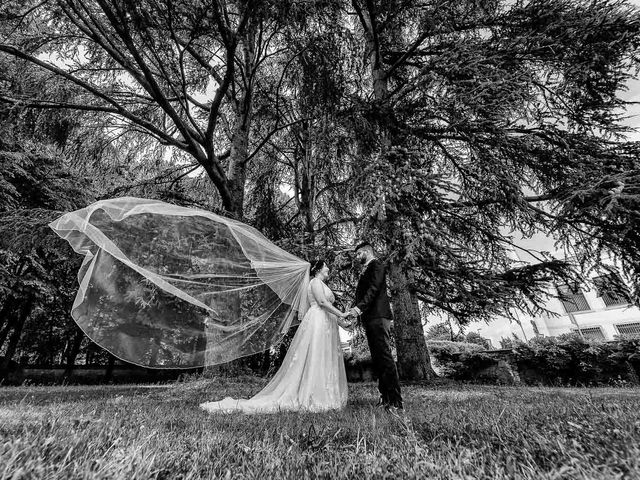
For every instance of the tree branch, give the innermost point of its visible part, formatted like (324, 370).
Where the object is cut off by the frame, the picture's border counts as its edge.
(267, 138)
(96, 92)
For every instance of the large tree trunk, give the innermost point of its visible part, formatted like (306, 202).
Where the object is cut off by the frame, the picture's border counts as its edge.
(236, 175)
(239, 154)
(305, 181)
(411, 347)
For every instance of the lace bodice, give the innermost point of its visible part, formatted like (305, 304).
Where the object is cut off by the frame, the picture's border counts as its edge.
(326, 290)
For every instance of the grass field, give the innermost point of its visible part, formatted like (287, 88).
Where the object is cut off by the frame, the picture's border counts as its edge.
(450, 431)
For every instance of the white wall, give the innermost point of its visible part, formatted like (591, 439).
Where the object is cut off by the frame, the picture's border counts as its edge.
(599, 315)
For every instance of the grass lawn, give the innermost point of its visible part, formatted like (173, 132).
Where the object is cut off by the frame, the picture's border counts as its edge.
(450, 431)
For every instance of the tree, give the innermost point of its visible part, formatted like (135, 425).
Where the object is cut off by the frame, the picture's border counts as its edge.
(148, 65)
(36, 276)
(475, 337)
(48, 162)
(443, 331)
(442, 128)
(150, 68)
(491, 117)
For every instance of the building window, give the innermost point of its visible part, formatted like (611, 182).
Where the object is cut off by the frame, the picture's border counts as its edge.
(612, 289)
(592, 333)
(629, 330)
(572, 298)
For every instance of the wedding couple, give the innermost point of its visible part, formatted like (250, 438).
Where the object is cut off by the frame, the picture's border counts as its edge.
(312, 376)
(157, 279)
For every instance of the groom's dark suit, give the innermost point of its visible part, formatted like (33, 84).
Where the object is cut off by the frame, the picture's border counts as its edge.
(373, 303)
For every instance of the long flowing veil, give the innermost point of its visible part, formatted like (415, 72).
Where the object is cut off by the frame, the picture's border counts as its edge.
(166, 286)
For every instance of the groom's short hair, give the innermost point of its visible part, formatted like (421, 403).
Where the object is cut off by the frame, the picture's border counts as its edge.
(362, 245)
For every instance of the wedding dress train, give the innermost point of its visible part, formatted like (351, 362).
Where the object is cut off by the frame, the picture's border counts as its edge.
(312, 376)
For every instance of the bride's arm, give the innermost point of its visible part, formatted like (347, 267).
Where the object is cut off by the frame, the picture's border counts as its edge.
(318, 293)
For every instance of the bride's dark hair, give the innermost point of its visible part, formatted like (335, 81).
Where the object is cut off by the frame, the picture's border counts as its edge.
(316, 266)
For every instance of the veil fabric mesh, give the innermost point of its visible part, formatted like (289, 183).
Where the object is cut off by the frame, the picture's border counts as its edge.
(165, 286)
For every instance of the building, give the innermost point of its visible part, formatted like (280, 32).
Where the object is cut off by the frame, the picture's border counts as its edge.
(597, 310)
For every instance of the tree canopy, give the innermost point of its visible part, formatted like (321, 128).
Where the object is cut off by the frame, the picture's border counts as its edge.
(438, 129)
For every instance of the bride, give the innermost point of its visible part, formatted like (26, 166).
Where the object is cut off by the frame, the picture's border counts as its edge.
(312, 376)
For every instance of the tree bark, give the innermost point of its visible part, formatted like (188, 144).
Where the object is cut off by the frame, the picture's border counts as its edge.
(236, 174)
(237, 171)
(90, 354)
(7, 306)
(239, 151)
(6, 318)
(15, 336)
(71, 354)
(108, 373)
(306, 177)
(6, 328)
(411, 347)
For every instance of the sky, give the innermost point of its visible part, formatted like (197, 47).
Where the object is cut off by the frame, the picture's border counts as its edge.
(633, 94)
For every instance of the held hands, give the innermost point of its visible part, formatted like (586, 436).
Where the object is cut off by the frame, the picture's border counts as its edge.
(352, 312)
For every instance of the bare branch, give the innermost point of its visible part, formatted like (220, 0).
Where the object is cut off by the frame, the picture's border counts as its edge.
(267, 138)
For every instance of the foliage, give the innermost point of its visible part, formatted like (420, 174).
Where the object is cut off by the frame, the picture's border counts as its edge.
(500, 119)
(447, 347)
(37, 277)
(569, 360)
(467, 108)
(444, 331)
(190, 75)
(360, 355)
(474, 337)
(509, 343)
(564, 360)
(448, 356)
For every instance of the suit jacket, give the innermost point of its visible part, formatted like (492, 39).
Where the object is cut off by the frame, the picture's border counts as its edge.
(371, 292)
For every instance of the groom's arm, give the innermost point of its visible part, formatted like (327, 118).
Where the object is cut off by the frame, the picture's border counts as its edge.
(377, 282)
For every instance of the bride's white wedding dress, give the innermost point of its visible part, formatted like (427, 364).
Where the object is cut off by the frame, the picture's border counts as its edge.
(312, 376)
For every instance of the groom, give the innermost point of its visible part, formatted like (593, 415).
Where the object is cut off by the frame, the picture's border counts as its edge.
(372, 305)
